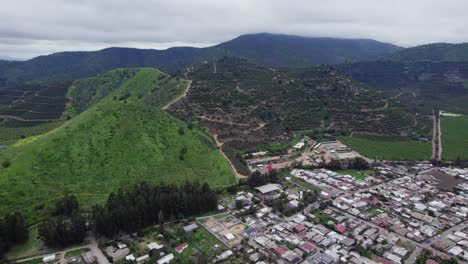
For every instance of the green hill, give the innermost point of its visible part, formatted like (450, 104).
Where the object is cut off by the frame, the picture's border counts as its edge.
(121, 139)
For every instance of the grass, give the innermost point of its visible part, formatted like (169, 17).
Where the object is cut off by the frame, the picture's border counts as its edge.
(304, 184)
(76, 252)
(389, 149)
(113, 144)
(454, 137)
(358, 175)
(376, 211)
(32, 247)
(465, 84)
(204, 242)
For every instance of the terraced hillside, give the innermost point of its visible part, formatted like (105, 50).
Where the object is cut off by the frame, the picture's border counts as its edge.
(121, 139)
(29, 104)
(248, 105)
(421, 85)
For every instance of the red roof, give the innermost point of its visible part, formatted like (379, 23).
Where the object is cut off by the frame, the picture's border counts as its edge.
(280, 250)
(384, 261)
(270, 167)
(340, 228)
(181, 247)
(307, 247)
(299, 228)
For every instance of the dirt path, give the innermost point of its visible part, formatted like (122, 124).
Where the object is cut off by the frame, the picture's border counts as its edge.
(220, 147)
(179, 97)
(214, 68)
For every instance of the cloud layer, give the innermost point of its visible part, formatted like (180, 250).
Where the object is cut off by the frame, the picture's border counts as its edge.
(30, 28)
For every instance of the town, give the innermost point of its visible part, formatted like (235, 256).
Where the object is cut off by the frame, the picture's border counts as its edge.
(295, 211)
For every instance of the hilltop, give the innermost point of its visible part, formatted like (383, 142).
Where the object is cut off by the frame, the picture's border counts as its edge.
(117, 137)
(267, 49)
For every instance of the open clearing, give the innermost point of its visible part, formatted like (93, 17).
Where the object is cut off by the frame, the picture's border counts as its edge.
(385, 149)
(455, 137)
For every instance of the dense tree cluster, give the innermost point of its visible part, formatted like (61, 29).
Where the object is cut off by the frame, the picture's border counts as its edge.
(13, 231)
(257, 179)
(67, 227)
(66, 206)
(63, 231)
(146, 204)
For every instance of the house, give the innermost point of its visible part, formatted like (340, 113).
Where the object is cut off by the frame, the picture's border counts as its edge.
(166, 259)
(229, 236)
(154, 245)
(130, 258)
(340, 228)
(299, 145)
(48, 258)
(269, 191)
(307, 247)
(281, 250)
(180, 248)
(190, 228)
(299, 228)
(142, 258)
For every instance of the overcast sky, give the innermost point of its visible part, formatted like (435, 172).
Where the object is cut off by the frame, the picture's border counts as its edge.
(29, 28)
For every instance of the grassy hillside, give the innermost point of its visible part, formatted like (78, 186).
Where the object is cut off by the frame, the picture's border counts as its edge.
(123, 139)
(454, 137)
(389, 149)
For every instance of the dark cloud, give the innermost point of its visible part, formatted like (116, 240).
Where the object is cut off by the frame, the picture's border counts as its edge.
(33, 27)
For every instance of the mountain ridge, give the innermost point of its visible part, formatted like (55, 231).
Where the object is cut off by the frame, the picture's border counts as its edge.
(301, 51)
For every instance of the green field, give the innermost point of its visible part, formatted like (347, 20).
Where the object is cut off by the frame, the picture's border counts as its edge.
(454, 137)
(123, 139)
(389, 149)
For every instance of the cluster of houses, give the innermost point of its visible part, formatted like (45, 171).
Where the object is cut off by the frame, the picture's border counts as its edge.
(412, 207)
(455, 243)
(333, 184)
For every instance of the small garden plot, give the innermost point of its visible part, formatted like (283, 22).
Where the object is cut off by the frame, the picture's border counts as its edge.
(228, 229)
(376, 211)
(358, 175)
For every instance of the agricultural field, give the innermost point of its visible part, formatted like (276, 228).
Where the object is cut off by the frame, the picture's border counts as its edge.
(35, 101)
(389, 149)
(454, 137)
(9, 135)
(121, 140)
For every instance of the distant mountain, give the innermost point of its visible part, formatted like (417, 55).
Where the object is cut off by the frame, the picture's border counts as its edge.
(267, 49)
(433, 52)
(295, 51)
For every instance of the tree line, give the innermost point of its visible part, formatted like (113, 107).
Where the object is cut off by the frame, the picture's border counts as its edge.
(13, 231)
(145, 204)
